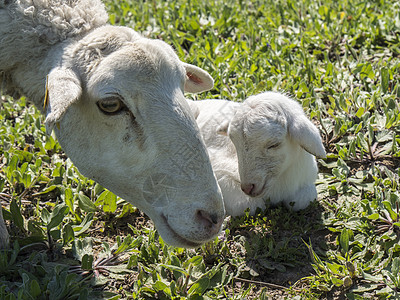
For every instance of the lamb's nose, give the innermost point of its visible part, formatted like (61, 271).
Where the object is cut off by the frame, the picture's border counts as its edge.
(210, 220)
(247, 188)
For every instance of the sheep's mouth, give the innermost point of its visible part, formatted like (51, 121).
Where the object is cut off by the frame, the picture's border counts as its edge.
(179, 238)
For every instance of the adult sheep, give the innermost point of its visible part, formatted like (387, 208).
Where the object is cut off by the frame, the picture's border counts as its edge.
(115, 100)
(260, 149)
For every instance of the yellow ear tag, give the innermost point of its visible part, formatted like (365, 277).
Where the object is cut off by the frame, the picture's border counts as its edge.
(46, 94)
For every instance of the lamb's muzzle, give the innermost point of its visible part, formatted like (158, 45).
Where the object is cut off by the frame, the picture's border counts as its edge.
(248, 189)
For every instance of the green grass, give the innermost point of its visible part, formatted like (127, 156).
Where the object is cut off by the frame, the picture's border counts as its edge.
(71, 239)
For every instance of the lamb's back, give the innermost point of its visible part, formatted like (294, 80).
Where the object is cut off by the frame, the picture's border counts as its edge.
(213, 113)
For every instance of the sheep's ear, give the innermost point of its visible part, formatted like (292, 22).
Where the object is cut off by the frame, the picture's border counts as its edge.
(304, 132)
(197, 80)
(223, 128)
(62, 89)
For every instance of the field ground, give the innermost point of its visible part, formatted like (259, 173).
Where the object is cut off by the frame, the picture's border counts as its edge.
(71, 239)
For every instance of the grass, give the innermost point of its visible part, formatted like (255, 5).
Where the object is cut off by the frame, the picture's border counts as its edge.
(72, 239)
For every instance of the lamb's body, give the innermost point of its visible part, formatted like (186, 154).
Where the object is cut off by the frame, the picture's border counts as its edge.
(210, 115)
(117, 99)
(281, 171)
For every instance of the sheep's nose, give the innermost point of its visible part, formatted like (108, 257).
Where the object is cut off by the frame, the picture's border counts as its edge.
(210, 220)
(247, 188)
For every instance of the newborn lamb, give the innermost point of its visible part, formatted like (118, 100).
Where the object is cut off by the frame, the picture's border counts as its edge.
(261, 149)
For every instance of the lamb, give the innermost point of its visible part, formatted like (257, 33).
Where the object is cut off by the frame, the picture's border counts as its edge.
(116, 103)
(261, 149)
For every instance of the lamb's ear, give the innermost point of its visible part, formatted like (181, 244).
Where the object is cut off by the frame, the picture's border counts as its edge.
(223, 128)
(63, 88)
(197, 80)
(304, 132)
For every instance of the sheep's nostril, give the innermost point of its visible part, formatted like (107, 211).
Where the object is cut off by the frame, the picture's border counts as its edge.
(214, 219)
(207, 219)
(247, 188)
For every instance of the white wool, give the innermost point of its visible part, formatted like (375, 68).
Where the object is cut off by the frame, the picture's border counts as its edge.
(265, 146)
(30, 29)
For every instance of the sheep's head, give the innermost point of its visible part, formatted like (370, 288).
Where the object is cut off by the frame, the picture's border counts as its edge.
(123, 120)
(269, 130)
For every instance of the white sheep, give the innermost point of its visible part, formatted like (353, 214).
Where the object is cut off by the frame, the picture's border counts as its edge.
(117, 100)
(260, 149)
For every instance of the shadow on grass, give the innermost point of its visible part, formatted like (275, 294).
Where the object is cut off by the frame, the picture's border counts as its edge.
(33, 268)
(36, 272)
(273, 243)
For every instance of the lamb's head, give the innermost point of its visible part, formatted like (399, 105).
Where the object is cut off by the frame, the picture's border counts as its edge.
(269, 132)
(119, 112)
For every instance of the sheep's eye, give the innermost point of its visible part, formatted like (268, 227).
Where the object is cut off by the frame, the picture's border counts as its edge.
(273, 146)
(111, 106)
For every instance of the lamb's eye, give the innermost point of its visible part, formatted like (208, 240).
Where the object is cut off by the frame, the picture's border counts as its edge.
(111, 106)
